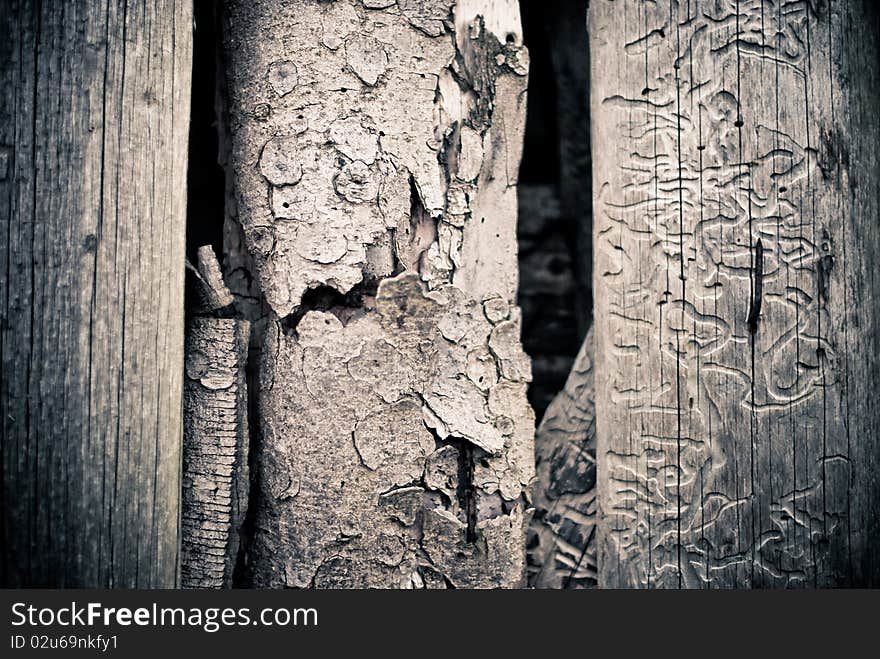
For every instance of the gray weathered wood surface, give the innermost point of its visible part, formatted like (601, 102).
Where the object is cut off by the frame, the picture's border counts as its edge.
(216, 436)
(736, 237)
(94, 113)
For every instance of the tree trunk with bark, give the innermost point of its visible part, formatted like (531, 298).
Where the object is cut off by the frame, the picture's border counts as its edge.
(566, 24)
(375, 148)
(737, 241)
(95, 113)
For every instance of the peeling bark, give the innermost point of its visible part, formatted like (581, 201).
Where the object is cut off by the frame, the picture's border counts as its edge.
(736, 239)
(375, 149)
(94, 113)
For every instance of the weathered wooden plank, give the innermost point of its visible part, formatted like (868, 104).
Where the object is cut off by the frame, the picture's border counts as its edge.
(376, 147)
(95, 111)
(736, 236)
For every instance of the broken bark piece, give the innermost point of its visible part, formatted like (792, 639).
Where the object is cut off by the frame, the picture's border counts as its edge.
(215, 448)
(214, 296)
(561, 546)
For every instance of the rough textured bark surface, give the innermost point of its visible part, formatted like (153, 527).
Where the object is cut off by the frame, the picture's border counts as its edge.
(561, 544)
(215, 433)
(95, 113)
(215, 468)
(375, 147)
(736, 177)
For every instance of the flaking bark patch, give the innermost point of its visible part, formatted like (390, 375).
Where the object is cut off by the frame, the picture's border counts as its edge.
(215, 431)
(361, 449)
(342, 128)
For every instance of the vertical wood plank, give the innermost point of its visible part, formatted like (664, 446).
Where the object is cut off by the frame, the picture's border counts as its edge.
(95, 113)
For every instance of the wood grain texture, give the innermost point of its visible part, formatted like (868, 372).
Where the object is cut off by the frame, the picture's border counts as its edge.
(94, 103)
(376, 148)
(737, 241)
